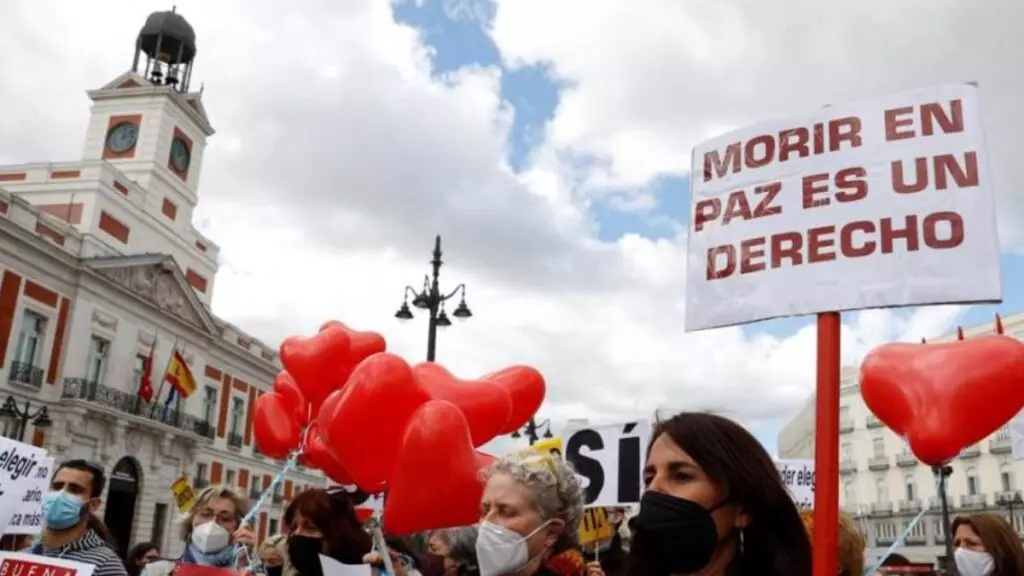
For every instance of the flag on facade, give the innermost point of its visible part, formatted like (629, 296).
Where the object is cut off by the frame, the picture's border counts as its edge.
(146, 379)
(179, 376)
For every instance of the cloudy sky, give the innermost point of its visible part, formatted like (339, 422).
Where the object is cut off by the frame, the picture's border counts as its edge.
(547, 141)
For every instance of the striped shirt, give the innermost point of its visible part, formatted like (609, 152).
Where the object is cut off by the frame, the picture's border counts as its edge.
(89, 549)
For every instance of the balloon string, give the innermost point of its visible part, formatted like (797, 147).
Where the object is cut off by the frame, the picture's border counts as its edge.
(906, 532)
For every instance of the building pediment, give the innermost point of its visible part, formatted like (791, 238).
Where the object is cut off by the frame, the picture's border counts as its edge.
(158, 280)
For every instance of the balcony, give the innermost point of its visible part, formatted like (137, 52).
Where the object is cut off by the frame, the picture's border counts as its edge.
(881, 508)
(200, 483)
(972, 501)
(25, 374)
(1000, 443)
(910, 506)
(254, 495)
(874, 422)
(846, 425)
(972, 451)
(847, 467)
(278, 498)
(99, 396)
(234, 440)
(1011, 499)
(917, 537)
(906, 460)
(878, 463)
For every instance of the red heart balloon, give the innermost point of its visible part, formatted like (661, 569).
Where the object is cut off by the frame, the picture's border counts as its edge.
(525, 386)
(437, 482)
(365, 423)
(317, 363)
(945, 397)
(317, 456)
(285, 385)
(363, 345)
(485, 405)
(274, 426)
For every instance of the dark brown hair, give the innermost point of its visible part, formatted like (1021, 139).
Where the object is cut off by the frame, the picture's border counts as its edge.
(999, 539)
(332, 513)
(775, 543)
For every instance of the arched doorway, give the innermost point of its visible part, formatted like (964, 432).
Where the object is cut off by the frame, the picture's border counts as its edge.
(121, 500)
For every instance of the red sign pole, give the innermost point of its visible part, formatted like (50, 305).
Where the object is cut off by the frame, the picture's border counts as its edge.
(826, 447)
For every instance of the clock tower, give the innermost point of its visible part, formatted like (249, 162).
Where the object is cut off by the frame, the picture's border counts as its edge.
(149, 124)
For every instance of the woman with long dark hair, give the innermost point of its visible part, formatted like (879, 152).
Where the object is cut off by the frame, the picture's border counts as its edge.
(715, 505)
(141, 554)
(986, 545)
(322, 522)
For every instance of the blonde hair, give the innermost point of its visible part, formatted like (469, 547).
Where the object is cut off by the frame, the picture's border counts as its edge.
(554, 486)
(212, 493)
(851, 542)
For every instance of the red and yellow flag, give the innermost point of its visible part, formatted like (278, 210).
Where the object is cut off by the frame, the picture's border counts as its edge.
(180, 376)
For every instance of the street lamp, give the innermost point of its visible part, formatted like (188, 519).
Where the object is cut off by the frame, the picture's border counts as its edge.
(431, 299)
(10, 412)
(532, 428)
(1010, 503)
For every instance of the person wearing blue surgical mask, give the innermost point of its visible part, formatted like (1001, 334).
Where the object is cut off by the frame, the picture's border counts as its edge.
(71, 531)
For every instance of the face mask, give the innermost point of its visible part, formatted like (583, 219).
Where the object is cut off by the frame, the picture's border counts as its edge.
(62, 510)
(210, 537)
(673, 535)
(304, 553)
(500, 551)
(971, 563)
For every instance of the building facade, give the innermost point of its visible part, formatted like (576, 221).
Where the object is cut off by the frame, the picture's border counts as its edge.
(884, 486)
(100, 267)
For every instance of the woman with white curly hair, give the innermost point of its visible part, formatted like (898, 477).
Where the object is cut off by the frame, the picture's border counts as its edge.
(529, 519)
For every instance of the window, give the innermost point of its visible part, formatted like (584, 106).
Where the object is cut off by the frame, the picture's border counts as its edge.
(139, 369)
(881, 491)
(849, 493)
(918, 532)
(237, 409)
(1006, 477)
(847, 451)
(885, 531)
(229, 478)
(200, 471)
(906, 448)
(254, 486)
(972, 481)
(159, 520)
(209, 403)
(30, 340)
(911, 488)
(879, 445)
(273, 527)
(96, 367)
(844, 412)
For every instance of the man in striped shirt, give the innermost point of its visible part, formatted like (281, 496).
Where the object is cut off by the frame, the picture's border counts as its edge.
(71, 531)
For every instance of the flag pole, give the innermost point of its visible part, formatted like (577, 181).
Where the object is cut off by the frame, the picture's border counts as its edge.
(163, 378)
(149, 363)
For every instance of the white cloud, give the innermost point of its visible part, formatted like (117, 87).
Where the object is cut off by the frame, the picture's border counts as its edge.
(339, 157)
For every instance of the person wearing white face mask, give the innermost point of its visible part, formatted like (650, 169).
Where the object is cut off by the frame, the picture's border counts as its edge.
(212, 530)
(530, 515)
(986, 545)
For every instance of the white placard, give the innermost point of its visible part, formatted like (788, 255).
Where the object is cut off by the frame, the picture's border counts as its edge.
(22, 467)
(18, 564)
(880, 203)
(610, 461)
(798, 477)
(28, 517)
(331, 567)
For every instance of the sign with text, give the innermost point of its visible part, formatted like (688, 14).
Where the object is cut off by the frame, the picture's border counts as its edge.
(28, 516)
(183, 569)
(18, 564)
(610, 461)
(798, 477)
(184, 495)
(24, 476)
(595, 529)
(880, 203)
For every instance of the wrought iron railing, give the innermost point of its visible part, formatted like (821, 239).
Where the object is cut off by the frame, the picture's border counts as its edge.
(25, 373)
(128, 403)
(234, 440)
(200, 483)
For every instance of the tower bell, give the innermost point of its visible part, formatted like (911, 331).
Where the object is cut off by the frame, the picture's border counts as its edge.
(168, 43)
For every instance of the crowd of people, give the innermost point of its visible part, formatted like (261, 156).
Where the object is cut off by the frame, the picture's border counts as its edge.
(713, 505)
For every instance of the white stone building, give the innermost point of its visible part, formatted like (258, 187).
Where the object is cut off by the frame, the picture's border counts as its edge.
(884, 486)
(99, 262)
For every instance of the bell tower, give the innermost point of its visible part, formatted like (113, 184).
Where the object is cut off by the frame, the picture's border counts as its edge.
(168, 43)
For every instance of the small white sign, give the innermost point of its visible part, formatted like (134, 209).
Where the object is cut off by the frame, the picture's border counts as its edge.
(331, 567)
(28, 517)
(610, 461)
(880, 203)
(23, 469)
(18, 564)
(798, 477)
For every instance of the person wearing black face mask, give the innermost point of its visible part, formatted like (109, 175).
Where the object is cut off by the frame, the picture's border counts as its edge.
(714, 505)
(322, 522)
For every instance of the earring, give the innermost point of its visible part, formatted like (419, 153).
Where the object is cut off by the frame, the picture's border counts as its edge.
(741, 541)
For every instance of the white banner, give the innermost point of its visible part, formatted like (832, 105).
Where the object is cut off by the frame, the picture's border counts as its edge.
(23, 469)
(798, 477)
(880, 203)
(17, 564)
(610, 461)
(28, 517)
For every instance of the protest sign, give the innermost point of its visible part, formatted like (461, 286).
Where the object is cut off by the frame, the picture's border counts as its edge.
(184, 495)
(609, 460)
(22, 468)
(880, 203)
(17, 564)
(331, 567)
(798, 477)
(595, 529)
(28, 516)
(547, 446)
(183, 569)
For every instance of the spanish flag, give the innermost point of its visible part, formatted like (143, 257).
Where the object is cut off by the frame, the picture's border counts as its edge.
(180, 376)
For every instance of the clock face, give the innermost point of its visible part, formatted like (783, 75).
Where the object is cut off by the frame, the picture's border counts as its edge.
(180, 155)
(122, 137)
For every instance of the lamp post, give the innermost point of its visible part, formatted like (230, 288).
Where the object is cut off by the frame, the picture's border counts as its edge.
(531, 429)
(1010, 503)
(11, 412)
(944, 472)
(431, 299)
